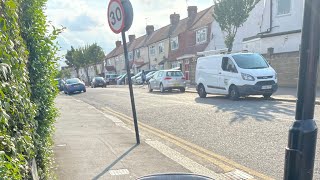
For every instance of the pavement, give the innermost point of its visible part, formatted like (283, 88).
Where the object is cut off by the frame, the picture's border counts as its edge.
(96, 143)
(92, 145)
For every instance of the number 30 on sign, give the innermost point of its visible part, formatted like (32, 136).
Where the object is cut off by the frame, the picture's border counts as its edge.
(116, 16)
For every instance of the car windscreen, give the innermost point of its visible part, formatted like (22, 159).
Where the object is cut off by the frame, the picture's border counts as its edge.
(174, 74)
(73, 81)
(250, 61)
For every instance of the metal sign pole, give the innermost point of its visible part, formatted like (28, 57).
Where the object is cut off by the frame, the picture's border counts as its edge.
(130, 87)
(300, 153)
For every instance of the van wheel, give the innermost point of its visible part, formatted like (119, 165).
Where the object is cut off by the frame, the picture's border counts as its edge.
(234, 93)
(267, 96)
(161, 88)
(182, 90)
(202, 91)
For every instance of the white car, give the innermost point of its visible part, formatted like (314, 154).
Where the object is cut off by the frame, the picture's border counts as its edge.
(167, 80)
(235, 75)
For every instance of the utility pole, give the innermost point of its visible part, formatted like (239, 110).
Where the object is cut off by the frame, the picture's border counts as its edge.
(300, 153)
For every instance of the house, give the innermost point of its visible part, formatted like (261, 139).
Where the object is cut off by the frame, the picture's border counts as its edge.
(273, 29)
(189, 36)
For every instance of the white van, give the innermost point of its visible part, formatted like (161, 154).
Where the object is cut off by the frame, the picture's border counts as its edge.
(235, 75)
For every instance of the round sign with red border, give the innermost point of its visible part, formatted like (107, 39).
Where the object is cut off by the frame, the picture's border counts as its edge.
(116, 16)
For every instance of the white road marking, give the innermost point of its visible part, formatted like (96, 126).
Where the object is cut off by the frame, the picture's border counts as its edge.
(119, 172)
(184, 161)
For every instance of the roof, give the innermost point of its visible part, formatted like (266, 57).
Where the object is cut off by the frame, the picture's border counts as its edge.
(203, 18)
(135, 44)
(160, 34)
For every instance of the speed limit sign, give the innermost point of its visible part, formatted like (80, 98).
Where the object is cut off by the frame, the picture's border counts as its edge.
(116, 16)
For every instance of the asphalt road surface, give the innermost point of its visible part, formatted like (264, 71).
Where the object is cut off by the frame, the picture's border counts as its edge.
(252, 132)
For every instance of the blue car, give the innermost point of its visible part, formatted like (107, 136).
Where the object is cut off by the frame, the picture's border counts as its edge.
(74, 85)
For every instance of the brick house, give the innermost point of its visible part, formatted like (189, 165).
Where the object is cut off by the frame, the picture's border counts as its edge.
(189, 36)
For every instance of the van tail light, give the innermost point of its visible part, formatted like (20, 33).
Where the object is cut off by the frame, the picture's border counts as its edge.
(183, 78)
(167, 78)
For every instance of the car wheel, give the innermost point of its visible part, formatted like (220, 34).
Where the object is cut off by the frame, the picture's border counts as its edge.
(170, 90)
(161, 88)
(267, 96)
(69, 93)
(234, 93)
(84, 90)
(202, 91)
(149, 87)
(182, 90)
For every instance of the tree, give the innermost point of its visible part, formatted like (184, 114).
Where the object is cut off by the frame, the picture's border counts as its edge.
(64, 73)
(231, 14)
(71, 61)
(85, 57)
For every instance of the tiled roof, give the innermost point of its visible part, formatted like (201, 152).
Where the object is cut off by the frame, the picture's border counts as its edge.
(158, 35)
(135, 44)
(203, 18)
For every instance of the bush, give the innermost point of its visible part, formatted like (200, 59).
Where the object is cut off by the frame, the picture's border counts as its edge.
(27, 89)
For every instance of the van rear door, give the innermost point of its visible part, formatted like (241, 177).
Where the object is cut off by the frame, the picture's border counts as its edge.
(213, 74)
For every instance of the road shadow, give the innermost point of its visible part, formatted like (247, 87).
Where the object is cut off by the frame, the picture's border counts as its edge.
(257, 108)
(114, 162)
(173, 92)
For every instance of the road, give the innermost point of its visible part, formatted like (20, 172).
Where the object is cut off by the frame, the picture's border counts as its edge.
(252, 132)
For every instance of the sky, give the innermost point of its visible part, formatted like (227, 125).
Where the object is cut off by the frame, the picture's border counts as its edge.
(86, 22)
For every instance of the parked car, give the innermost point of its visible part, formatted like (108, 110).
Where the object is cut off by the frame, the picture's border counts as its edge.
(74, 85)
(167, 80)
(111, 78)
(98, 82)
(60, 84)
(148, 77)
(123, 79)
(138, 79)
(235, 75)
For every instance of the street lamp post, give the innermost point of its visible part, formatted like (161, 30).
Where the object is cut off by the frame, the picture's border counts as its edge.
(300, 152)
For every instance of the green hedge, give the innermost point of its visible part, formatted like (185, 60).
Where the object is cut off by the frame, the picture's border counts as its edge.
(27, 89)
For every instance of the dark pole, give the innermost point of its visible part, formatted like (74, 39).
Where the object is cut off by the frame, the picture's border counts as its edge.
(300, 153)
(130, 87)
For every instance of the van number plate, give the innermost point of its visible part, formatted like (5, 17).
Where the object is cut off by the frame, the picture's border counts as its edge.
(267, 87)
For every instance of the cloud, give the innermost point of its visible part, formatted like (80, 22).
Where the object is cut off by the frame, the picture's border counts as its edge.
(83, 22)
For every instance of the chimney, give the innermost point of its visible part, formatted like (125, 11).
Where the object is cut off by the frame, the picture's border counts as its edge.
(118, 44)
(132, 38)
(192, 11)
(149, 29)
(174, 19)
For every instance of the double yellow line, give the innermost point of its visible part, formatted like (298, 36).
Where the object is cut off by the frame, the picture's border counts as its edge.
(222, 162)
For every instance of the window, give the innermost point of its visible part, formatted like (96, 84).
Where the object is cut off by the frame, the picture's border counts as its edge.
(284, 7)
(137, 53)
(152, 50)
(130, 54)
(174, 43)
(228, 65)
(201, 36)
(109, 62)
(250, 61)
(174, 74)
(160, 48)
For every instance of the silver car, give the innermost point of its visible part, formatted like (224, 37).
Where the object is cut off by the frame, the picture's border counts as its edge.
(167, 80)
